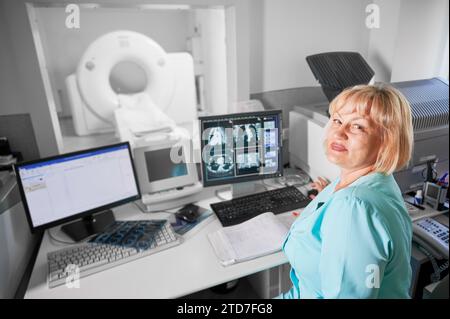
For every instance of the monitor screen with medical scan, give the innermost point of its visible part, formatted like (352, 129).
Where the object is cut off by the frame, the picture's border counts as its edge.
(70, 186)
(241, 147)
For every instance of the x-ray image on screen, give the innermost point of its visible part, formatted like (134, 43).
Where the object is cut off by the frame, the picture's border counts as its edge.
(218, 157)
(217, 136)
(246, 135)
(236, 147)
(247, 161)
(220, 166)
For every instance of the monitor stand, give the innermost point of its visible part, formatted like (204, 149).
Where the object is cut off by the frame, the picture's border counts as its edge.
(246, 188)
(89, 225)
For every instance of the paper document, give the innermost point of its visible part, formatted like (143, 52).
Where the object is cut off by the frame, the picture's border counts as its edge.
(259, 236)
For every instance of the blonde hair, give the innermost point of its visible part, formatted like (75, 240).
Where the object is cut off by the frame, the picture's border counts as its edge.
(391, 112)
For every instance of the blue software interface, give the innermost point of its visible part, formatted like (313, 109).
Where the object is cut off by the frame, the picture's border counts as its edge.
(62, 187)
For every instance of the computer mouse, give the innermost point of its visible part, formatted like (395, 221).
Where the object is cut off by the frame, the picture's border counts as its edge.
(188, 213)
(312, 193)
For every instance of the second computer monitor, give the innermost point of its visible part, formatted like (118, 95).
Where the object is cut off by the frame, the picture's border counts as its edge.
(68, 187)
(241, 147)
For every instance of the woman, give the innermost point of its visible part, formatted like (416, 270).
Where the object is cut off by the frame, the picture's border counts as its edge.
(354, 239)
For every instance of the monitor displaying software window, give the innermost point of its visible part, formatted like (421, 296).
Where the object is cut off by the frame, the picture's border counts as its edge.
(241, 147)
(69, 186)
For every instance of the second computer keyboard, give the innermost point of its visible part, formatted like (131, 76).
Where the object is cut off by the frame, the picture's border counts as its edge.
(277, 201)
(81, 260)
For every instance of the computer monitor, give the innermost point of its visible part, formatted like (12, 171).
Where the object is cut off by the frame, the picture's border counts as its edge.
(165, 166)
(241, 147)
(59, 189)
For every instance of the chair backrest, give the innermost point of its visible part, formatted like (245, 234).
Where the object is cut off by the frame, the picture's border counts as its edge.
(336, 71)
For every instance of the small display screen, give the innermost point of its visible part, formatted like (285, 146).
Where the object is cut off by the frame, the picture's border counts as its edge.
(432, 191)
(161, 166)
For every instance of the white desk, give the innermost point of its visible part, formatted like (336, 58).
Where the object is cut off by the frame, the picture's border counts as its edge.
(417, 214)
(175, 272)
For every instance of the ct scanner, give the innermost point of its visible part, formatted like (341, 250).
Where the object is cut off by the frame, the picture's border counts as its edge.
(170, 84)
(163, 115)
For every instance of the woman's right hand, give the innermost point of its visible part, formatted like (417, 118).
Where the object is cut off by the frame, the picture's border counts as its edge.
(319, 184)
(316, 187)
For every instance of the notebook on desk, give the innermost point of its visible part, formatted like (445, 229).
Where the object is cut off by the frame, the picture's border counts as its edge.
(259, 236)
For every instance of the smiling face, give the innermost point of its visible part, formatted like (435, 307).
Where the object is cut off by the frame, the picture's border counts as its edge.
(370, 128)
(352, 139)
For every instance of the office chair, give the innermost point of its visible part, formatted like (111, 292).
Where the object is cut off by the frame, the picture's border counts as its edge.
(336, 71)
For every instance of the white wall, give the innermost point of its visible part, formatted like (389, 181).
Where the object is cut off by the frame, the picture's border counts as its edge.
(445, 57)
(10, 101)
(211, 23)
(29, 83)
(383, 41)
(421, 39)
(284, 32)
(410, 43)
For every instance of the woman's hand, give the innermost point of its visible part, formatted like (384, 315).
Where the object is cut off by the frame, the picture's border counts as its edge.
(317, 186)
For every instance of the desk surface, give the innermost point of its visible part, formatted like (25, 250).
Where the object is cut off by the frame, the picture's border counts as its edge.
(189, 267)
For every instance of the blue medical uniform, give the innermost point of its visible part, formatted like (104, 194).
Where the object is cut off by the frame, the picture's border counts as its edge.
(353, 243)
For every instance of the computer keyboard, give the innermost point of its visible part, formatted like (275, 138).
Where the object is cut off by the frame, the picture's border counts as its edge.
(277, 201)
(89, 258)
